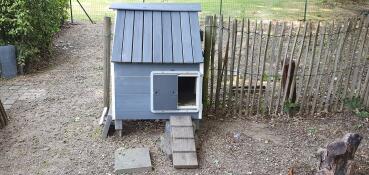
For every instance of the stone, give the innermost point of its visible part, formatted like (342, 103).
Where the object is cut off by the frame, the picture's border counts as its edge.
(136, 160)
(165, 145)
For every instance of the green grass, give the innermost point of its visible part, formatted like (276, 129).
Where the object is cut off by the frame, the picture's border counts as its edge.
(256, 9)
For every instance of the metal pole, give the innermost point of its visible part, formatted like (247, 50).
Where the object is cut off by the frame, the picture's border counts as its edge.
(71, 11)
(107, 48)
(306, 2)
(85, 12)
(221, 7)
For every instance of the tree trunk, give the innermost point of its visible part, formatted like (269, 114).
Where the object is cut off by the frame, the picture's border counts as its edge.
(3, 116)
(338, 157)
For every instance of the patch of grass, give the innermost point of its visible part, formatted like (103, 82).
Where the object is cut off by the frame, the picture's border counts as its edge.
(290, 107)
(97, 133)
(256, 9)
(355, 105)
(312, 131)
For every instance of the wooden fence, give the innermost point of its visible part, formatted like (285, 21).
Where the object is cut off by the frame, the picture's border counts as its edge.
(271, 67)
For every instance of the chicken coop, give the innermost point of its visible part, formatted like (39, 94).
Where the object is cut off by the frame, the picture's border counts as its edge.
(157, 62)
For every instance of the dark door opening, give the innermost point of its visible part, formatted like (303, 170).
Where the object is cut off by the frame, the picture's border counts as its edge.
(186, 91)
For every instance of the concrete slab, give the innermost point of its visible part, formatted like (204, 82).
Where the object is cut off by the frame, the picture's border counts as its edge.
(132, 160)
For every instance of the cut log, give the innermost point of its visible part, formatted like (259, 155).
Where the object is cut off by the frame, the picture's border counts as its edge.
(338, 157)
(3, 116)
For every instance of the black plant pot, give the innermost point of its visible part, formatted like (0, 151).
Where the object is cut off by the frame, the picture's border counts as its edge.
(8, 61)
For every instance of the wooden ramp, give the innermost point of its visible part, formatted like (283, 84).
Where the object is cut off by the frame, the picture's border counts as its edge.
(183, 142)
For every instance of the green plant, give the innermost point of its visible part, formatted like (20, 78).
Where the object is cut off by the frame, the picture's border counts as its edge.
(30, 26)
(311, 131)
(355, 105)
(290, 107)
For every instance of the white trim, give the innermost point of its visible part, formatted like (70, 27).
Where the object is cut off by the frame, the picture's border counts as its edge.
(181, 109)
(200, 91)
(112, 68)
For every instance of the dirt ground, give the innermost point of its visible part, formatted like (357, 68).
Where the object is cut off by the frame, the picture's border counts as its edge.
(58, 132)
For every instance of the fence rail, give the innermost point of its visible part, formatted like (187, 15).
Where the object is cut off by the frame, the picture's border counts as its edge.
(273, 67)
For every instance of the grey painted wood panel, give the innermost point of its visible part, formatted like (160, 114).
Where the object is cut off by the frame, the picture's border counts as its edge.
(158, 6)
(196, 38)
(133, 102)
(132, 85)
(147, 37)
(146, 115)
(165, 92)
(128, 37)
(126, 108)
(145, 70)
(131, 82)
(177, 38)
(157, 38)
(167, 37)
(186, 37)
(137, 37)
(118, 37)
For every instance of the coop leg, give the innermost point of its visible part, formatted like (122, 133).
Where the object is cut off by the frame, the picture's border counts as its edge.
(119, 127)
(196, 125)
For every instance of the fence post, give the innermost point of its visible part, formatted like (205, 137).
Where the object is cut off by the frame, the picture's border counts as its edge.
(221, 7)
(305, 11)
(107, 48)
(207, 54)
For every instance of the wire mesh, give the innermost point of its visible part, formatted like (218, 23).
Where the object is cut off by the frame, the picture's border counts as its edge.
(257, 9)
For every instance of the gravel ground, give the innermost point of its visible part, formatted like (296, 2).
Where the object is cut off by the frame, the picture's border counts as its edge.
(58, 133)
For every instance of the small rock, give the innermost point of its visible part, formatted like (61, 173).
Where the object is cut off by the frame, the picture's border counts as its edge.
(45, 149)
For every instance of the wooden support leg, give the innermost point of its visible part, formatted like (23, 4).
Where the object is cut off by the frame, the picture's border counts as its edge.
(119, 127)
(196, 125)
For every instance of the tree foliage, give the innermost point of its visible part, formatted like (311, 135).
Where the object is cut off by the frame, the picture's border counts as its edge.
(30, 25)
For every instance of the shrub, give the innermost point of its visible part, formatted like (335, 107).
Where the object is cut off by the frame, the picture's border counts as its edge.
(30, 25)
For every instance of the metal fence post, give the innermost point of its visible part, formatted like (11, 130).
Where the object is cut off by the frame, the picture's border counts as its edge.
(306, 2)
(221, 7)
(71, 11)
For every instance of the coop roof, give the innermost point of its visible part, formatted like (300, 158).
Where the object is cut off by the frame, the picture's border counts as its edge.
(157, 33)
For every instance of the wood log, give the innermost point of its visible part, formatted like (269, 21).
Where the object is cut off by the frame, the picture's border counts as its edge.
(287, 79)
(3, 116)
(338, 157)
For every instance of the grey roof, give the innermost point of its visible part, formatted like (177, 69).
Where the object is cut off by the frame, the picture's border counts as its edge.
(157, 33)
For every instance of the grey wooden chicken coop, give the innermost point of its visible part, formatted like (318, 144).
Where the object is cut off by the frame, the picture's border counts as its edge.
(157, 62)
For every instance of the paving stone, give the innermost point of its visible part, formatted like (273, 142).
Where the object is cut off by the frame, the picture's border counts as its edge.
(14, 87)
(132, 160)
(7, 107)
(185, 160)
(183, 132)
(9, 102)
(183, 145)
(180, 121)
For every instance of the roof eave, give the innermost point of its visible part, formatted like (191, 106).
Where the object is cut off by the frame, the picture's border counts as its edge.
(188, 7)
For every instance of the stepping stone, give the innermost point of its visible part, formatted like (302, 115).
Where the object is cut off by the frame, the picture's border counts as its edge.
(183, 142)
(185, 160)
(183, 132)
(183, 145)
(135, 160)
(180, 121)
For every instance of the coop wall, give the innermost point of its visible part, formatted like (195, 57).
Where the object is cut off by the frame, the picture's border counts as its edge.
(132, 90)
